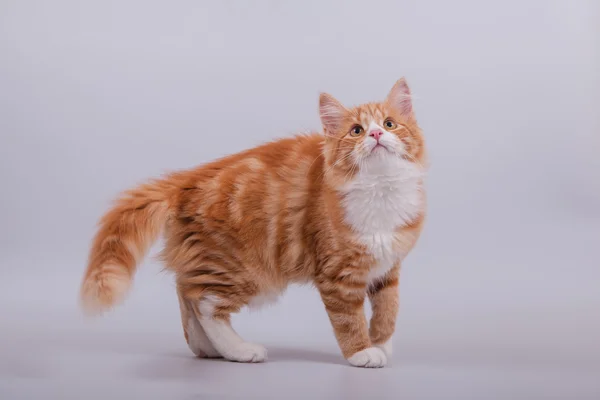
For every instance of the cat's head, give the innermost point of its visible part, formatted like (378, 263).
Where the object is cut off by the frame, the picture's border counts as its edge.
(377, 136)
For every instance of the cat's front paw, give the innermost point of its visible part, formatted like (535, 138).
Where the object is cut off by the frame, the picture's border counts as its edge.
(371, 357)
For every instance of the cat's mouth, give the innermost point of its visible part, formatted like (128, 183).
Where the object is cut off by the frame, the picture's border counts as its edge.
(379, 148)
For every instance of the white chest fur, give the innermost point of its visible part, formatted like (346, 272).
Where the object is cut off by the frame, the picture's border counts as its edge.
(378, 201)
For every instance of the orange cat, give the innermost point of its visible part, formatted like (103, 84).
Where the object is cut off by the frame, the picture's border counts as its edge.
(340, 210)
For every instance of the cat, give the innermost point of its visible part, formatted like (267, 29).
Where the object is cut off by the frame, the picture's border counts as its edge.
(339, 209)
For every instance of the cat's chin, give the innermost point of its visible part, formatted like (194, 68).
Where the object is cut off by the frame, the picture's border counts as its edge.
(382, 156)
(379, 150)
(386, 164)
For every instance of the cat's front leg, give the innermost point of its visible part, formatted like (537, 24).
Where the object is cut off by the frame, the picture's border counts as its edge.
(384, 298)
(344, 303)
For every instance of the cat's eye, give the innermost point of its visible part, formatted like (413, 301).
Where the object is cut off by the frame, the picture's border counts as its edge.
(357, 130)
(390, 124)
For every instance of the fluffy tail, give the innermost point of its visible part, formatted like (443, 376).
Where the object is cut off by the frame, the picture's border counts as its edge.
(125, 234)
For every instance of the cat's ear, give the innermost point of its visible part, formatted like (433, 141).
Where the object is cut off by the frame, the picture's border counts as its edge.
(400, 98)
(332, 113)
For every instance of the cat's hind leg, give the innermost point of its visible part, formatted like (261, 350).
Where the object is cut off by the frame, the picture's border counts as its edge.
(194, 334)
(217, 325)
(218, 286)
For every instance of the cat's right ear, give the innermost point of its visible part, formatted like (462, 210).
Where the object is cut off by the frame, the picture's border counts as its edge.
(332, 113)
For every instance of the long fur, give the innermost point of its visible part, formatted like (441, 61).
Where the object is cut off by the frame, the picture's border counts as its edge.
(335, 210)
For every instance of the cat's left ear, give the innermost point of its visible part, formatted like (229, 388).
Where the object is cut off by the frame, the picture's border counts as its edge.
(400, 98)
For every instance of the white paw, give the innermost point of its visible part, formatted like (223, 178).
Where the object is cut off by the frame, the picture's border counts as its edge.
(199, 342)
(247, 352)
(386, 347)
(372, 357)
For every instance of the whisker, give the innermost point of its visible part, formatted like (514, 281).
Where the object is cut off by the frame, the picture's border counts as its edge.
(326, 170)
(414, 160)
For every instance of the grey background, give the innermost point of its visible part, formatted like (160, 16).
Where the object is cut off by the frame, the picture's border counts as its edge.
(501, 297)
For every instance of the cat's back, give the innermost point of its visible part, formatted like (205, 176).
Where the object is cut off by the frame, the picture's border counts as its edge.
(254, 203)
(262, 181)
(275, 158)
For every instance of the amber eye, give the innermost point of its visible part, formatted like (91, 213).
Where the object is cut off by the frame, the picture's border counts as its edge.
(390, 124)
(356, 131)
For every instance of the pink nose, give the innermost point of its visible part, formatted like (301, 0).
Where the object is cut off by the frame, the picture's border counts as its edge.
(376, 134)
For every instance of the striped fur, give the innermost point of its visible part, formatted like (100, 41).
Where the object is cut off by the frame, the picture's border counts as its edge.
(240, 229)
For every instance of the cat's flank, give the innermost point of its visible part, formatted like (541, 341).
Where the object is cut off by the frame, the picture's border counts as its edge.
(340, 210)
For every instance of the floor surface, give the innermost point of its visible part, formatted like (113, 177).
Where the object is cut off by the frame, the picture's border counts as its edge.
(492, 338)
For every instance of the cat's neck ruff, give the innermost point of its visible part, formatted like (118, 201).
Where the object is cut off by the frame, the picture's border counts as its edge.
(386, 194)
(383, 197)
